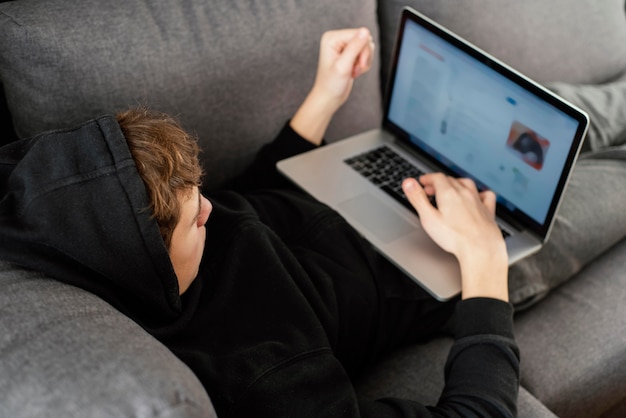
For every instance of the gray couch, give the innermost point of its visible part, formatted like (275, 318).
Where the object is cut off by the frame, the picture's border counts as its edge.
(234, 71)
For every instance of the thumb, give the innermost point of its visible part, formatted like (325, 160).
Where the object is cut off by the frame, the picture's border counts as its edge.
(417, 196)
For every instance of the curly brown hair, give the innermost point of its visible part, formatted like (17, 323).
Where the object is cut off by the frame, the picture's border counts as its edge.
(167, 160)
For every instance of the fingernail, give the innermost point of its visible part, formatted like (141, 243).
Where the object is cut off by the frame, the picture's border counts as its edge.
(363, 33)
(409, 184)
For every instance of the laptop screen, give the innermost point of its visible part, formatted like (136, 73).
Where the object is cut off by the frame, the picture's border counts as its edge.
(480, 119)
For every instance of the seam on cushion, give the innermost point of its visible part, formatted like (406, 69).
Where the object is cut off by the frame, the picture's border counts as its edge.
(11, 18)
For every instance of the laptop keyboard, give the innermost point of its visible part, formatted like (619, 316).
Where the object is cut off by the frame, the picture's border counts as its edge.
(386, 169)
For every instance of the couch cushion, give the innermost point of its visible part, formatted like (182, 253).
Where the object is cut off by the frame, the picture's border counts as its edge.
(416, 372)
(573, 343)
(591, 220)
(547, 40)
(606, 106)
(65, 352)
(232, 71)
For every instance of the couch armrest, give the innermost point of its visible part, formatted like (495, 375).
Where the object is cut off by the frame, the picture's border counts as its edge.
(65, 352)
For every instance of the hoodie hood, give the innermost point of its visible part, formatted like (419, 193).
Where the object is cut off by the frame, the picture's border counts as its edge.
(73, 206)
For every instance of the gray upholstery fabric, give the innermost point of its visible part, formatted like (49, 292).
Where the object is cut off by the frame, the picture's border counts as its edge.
(67, 353)
(416, 373)
(591, 219)
(557, 40)
(606, 106)
(573, 343)
(530, 407)
(232, 71)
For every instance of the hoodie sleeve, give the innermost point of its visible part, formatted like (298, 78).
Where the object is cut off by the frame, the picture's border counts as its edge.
(482, 377)
(262, 172)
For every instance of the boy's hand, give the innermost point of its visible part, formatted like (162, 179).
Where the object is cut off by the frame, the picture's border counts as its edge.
(463, 224)
(344, 55)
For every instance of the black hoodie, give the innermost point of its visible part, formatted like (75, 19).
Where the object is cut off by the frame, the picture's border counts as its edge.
(266, 322)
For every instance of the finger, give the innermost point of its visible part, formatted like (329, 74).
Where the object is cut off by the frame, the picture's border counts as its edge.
(469, 184)
(436, 182)
(430, 190)
(340, 37)
(426, 179)
(447, 190)
(489, 200)
(364, 61)
(333, 42)
(348, 57)
(417, 197)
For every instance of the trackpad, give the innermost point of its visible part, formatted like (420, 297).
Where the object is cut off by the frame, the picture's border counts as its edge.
(376, 217)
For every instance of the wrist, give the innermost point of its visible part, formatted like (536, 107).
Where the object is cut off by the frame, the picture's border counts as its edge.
(313, 117)
(484, 273)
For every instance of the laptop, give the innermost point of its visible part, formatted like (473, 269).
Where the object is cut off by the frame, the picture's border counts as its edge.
(453, 108)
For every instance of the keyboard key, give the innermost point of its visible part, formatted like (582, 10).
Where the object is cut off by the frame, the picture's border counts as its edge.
(385, 169)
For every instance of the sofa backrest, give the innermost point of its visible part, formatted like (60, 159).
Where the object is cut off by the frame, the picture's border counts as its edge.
(581, 41)
(232, 71)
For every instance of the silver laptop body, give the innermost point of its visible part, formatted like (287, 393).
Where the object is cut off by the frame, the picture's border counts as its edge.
(450, 107)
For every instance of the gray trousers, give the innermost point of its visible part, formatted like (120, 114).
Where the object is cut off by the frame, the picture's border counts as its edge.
(592, 216)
